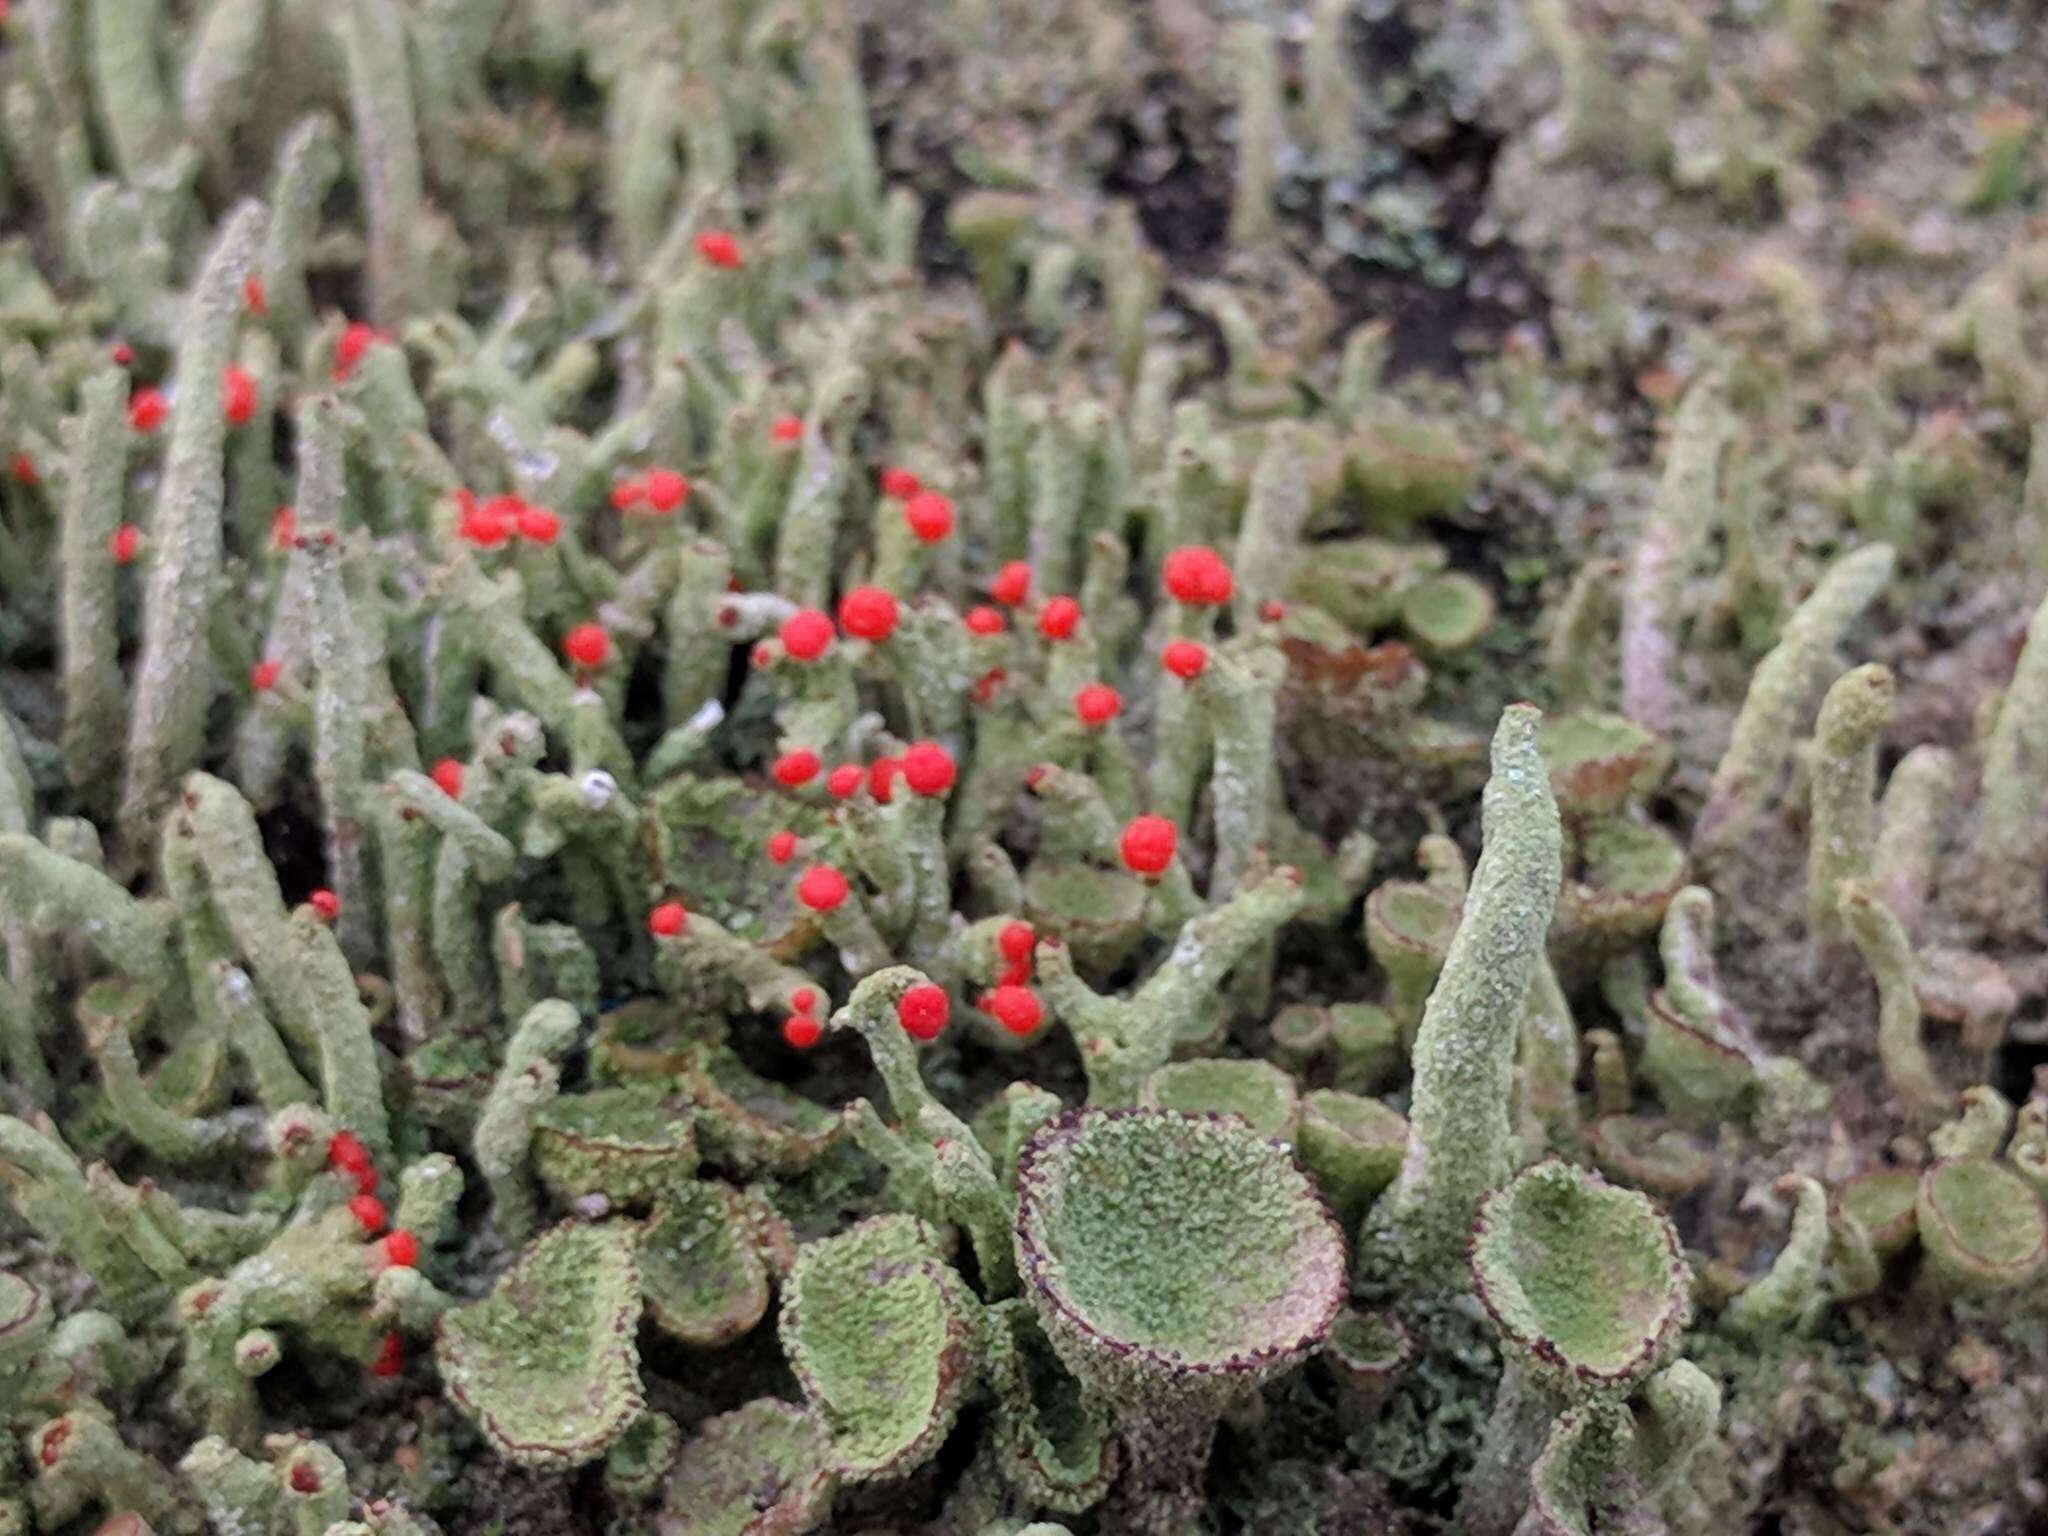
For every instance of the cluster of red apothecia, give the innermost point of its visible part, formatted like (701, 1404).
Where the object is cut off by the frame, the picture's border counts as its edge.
(350, 1159)
(1193, 575)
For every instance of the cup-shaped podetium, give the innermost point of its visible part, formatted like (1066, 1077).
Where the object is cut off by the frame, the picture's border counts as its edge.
(761, 1470)
(1367, 1354)
(1258, 1092)
(1599, 763)
(1982, 1227)
(703, 1275)
(1650, 1153)
(1885, 1202)
(1176, 1262)
(628, 1144)
(1703, 1072)
(1408, 928)
(548, 1364)
(1618, 882)
(1097, 913)
(1353, 1145)
(879, 1330)
(1584, 1280)
(1588, 1289)
(1447, 612)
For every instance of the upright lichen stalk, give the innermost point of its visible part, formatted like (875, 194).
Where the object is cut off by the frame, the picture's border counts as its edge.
(1461, 1141)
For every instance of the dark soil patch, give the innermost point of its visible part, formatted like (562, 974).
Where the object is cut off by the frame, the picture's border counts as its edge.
(296, 850)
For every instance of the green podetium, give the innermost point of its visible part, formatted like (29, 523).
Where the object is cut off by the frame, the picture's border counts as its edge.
(547, 1364)
(1124, 1039)
(1843, 792)
(1589, 1292)
(1747, 774)
(1982, 1227)
(932, 1145)
(762, 1468)
(881, 1334)
(1176, 1263)
(172, 690)
(2003, 872)
(1681, 519)
(1461, 1142)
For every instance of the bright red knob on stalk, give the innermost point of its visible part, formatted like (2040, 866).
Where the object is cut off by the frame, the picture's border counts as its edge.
(1196, 574)
(782, 847)
(348, 351)
(389, 1362)
(254, 297)
(284, 528)
(666, 490)
(125, 543)
(900, 483)
(587, 645)
(447, 775)
(928, 769)
(1016, 1008)
(264, 675)
(1148, 844)
(346, 1153)
(923, 1011)
(237, 395)
(882, 773)
(803, 1000)
(369, 1213)
(22, 469)
(930, 516)
(1017, 941)
(1098, 704)
(844, 782)
(491, 524)
(1058, 619)
(807, 634)
(795, 768)
(401, 1249)
(538, 525)
(822, 888)
(984, 620)
(325, 904)
(868, 613)
(627, 494)
(787, 429)
(719, 248)
(1012, 583)
(146, 409)
(801, 1031)
(668, 920)
(1185, 659)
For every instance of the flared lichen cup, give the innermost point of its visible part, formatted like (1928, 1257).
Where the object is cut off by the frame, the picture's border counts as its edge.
(628, 1144)
(1257, 1091)
(548, 1364)
(1588, 1289)
(761, 1470)
(1408, 928)
(1598, 763)
(1584, 1280)
(1982, 1227)
(1176, 1263)
(880, 1332)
